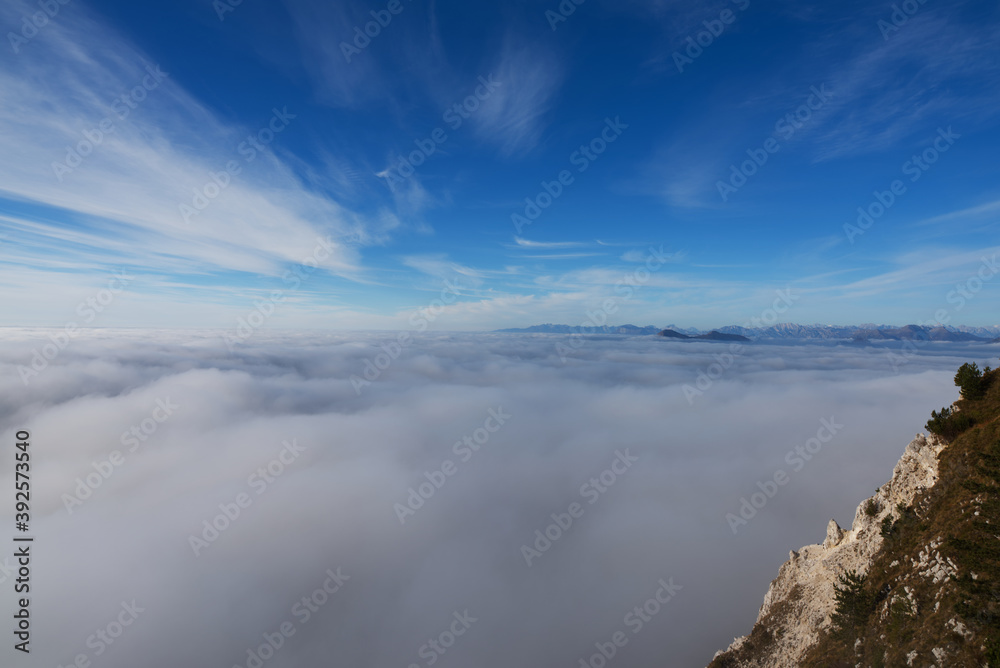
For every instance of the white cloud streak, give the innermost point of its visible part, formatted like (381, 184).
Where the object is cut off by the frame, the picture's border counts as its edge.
(132, 183)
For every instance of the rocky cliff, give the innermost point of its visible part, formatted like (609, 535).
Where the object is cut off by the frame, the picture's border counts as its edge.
(925, 562)
(800, 602)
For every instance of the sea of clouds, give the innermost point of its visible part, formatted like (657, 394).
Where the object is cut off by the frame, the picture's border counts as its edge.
(199, 428)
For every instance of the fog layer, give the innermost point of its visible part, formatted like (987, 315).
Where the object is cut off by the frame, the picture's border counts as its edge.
(406, 491)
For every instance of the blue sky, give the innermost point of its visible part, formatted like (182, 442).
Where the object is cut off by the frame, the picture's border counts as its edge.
(335, 119)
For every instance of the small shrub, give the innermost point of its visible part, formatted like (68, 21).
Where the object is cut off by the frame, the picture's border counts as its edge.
(900, 612)
(938, 421)
(948, 423)
(871, 508)
(887, 526)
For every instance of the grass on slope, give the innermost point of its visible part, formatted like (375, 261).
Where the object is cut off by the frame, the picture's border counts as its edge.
(906, 611)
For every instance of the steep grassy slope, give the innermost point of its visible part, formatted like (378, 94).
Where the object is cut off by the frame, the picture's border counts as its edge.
(930, 593)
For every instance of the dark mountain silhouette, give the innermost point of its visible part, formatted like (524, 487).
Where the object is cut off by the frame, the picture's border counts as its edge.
(711, 336)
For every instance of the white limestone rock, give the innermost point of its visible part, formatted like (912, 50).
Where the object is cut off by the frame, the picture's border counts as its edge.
(812, 571)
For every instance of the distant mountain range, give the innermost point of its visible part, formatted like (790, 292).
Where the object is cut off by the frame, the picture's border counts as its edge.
(916, 333)
(859, 333)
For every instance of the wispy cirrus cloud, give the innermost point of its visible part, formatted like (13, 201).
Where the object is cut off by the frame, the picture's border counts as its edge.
(528, 243)
(515, 116)
(987, 210)
(884, 93)
(927, 269)
(562, 256)
(404, 61)
(894, 87)
(152, 157)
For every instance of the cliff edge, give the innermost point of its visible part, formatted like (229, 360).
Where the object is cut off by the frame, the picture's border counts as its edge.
(915, 581)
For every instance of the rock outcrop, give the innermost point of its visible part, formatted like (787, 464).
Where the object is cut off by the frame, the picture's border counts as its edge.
(800, 601)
